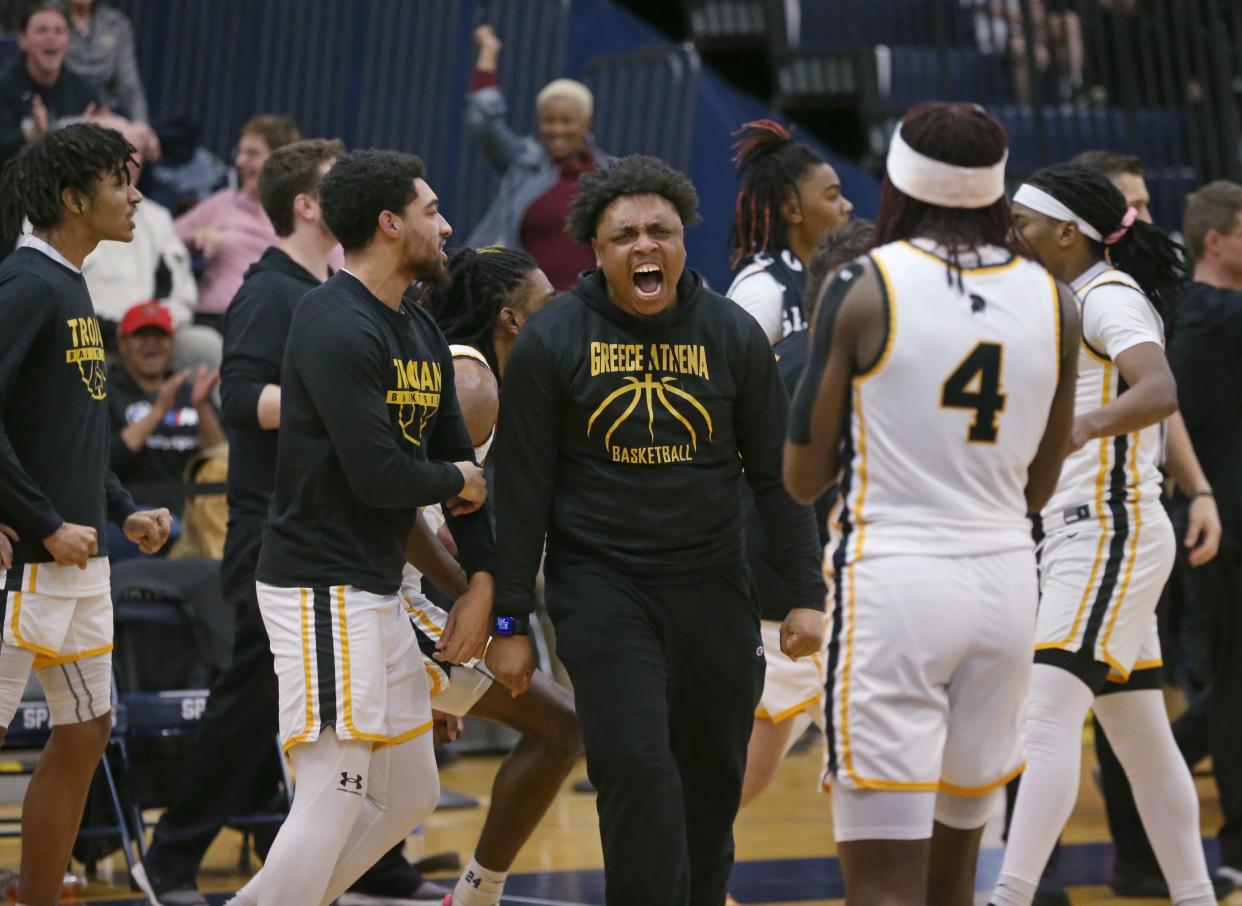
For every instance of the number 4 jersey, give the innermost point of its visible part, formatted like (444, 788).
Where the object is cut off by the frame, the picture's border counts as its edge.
(945, 424)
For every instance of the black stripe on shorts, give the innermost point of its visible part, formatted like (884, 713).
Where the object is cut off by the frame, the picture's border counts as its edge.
(325, 657)
(838, 595)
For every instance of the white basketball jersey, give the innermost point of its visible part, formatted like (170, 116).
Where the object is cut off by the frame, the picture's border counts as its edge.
(1109, 471)
(461, 351)
(944, 426)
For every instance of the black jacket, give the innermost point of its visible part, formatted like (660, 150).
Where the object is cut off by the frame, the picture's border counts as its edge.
(625, 439)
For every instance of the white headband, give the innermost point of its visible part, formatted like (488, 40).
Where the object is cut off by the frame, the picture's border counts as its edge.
(1041, 201)
(947, 185)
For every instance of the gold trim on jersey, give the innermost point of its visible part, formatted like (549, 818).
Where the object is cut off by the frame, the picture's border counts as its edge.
(347, 694)
(382, 742)
(890, 304)
(856, 511)
(973, 791)
(1056, 319)
(1141, 665)
(40, 663)
(982, 269)
(309, 688)
(34, 579)
(789, 712)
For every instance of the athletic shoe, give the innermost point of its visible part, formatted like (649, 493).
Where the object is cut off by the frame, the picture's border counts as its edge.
(418, 892)
(1051, 896)
(1145, 886)
(170, 891)
(1230, 874)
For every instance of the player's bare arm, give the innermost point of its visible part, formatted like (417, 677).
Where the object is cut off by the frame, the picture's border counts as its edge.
(1151, 397)
(848, 330)
(1045, 469)
(430, 557)
(479, 397)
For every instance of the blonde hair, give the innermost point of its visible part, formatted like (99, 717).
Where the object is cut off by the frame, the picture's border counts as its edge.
(567, 88)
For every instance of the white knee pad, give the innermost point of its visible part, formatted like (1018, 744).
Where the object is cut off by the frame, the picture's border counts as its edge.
(964, 812)
(881, 815)
(15, 664)
(78, 691)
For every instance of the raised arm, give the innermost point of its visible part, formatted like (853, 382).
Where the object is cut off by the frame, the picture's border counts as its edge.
(486, 110)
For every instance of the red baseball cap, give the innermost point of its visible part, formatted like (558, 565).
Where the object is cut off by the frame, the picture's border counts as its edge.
(146, 314)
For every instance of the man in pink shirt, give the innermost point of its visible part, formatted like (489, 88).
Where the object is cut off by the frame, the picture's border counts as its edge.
(230, 228)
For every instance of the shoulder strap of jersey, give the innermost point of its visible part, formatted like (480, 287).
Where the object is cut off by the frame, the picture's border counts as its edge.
(461, 351)
(1111, 277)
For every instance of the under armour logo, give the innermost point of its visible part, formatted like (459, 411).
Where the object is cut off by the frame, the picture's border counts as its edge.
(977, 303)
(347, 781)
(759, 651)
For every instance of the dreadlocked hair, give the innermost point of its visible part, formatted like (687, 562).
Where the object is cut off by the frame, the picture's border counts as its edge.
(1143, 251)
(965, 136)
(480, 283)
(74, 157)
(769, 165)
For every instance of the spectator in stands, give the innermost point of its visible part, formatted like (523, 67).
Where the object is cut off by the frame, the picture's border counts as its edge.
(229, 229)
(1125, 171)
(539, 174)
(155, 265)
(789, 198)
(1205, 336)
(101, 50)
(38, 93)
(160, 420)
(1056, 46)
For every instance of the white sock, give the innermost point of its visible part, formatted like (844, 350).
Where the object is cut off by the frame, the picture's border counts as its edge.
(1055, 712)
(1011, 891)
(1138, 728)
(479, 886)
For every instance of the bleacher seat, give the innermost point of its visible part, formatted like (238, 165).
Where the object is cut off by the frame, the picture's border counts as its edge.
(857, 23)
(644, 102)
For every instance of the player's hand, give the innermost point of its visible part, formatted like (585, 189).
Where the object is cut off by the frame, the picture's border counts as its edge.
(1202, 531)
(469, 623)
(473, 493)
(148, 529)
(72, 545)
(205, 381)
(167, 395)
(512, 662)
(445, 727)
(802, 633)
(7, 537)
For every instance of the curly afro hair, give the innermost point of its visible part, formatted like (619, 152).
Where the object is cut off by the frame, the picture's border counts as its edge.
(74, 157)
(637, 174)
(362, 185)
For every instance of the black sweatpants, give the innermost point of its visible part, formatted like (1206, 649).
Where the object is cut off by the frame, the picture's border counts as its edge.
(666, 680)
(1211, 724)
(235, 748)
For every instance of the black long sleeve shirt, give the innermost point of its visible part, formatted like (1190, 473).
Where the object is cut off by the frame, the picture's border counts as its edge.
(54, 425)
(256, 327)
(625, 438)
(1205, 340)
(370, 428)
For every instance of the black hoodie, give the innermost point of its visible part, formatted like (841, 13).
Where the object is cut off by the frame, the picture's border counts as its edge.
(623, 438)
(256, 326)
